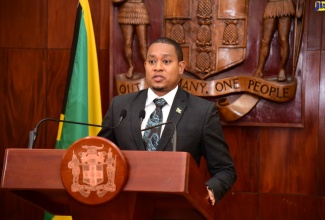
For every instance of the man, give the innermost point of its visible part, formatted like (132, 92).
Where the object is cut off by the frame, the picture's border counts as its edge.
(199, 131)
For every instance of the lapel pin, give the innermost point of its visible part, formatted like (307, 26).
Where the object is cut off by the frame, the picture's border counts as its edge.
(179, 110)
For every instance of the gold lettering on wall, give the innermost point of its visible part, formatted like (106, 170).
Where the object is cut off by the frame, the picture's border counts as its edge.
(267, 89)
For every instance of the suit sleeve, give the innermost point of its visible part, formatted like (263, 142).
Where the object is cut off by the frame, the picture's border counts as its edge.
(107, 123)
(216, 153)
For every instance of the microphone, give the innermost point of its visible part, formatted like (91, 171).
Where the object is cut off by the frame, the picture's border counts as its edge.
(33, 133)
(123, 114)
(142, 115)
(174, 140)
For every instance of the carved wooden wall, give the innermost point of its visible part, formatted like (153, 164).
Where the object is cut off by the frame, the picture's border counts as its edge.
(281, 171)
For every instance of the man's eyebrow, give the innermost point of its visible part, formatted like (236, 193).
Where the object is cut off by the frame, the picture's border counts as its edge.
(164, 55)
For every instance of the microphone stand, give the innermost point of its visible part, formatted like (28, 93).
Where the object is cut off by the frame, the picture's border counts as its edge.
(33, 133)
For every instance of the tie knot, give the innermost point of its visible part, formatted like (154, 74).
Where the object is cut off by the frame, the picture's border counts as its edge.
(160, 102)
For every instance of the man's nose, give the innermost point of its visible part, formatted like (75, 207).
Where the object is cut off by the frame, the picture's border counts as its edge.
(158, 66)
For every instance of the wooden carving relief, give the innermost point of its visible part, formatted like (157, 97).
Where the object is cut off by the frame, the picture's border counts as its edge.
(133, 18)
(235, 56)
(93, 170)
(213, 29)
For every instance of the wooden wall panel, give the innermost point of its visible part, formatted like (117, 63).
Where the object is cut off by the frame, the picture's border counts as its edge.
(24, 87)
(288, 161)
(293, 207)
(156, 13)
(321, 150)
(14, 208)
(321, 208)
(313, 27)
(61, 21)
(244, 148)
(321, 145)
(322, 30)
(288, 155)
(105, 22)
(105, 79)
(234, 206)
(23, 24)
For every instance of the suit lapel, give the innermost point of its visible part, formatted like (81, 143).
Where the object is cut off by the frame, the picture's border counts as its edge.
(137, 106)
(176, 112)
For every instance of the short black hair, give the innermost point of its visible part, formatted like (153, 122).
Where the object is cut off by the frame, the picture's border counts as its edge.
(166, 40)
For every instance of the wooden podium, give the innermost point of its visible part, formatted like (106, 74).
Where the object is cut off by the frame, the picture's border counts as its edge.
(160, 185)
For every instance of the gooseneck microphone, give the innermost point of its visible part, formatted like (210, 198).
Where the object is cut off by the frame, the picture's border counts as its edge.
(142, 115)
(174, 140)
(33, 133)
(123, 114)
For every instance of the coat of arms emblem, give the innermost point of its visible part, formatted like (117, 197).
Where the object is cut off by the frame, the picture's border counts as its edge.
(95, 166)
(220, 41)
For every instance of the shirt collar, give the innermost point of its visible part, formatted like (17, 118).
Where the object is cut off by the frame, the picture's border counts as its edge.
(169, 97)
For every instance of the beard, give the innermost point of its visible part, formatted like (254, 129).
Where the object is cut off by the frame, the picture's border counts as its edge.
(158, 89)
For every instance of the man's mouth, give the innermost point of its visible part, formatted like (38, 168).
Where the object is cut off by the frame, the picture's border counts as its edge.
(158, 78)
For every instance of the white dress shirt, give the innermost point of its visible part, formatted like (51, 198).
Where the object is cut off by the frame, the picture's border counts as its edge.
(150, 106)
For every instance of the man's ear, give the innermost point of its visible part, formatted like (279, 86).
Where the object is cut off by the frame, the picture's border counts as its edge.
(181, 67)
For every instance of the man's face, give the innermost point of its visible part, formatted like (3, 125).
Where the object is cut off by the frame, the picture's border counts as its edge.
(163, 69)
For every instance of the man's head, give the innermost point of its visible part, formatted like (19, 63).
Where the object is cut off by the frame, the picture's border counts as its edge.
(166, 40)
(164, 65)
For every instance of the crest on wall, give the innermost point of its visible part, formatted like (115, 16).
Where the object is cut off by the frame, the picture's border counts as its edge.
(214, 35)
(211, 33)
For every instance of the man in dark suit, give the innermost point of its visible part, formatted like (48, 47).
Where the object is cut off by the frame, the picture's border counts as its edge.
(199, 131)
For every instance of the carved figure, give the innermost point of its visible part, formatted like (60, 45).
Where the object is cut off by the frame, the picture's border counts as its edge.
(133, 18)
(74, 165)
(110, 168)
(277, 16)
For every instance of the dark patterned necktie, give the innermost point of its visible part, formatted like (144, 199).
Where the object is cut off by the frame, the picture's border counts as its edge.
(151, 137)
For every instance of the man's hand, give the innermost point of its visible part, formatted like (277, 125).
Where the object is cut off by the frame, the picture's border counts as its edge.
(211, 195)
